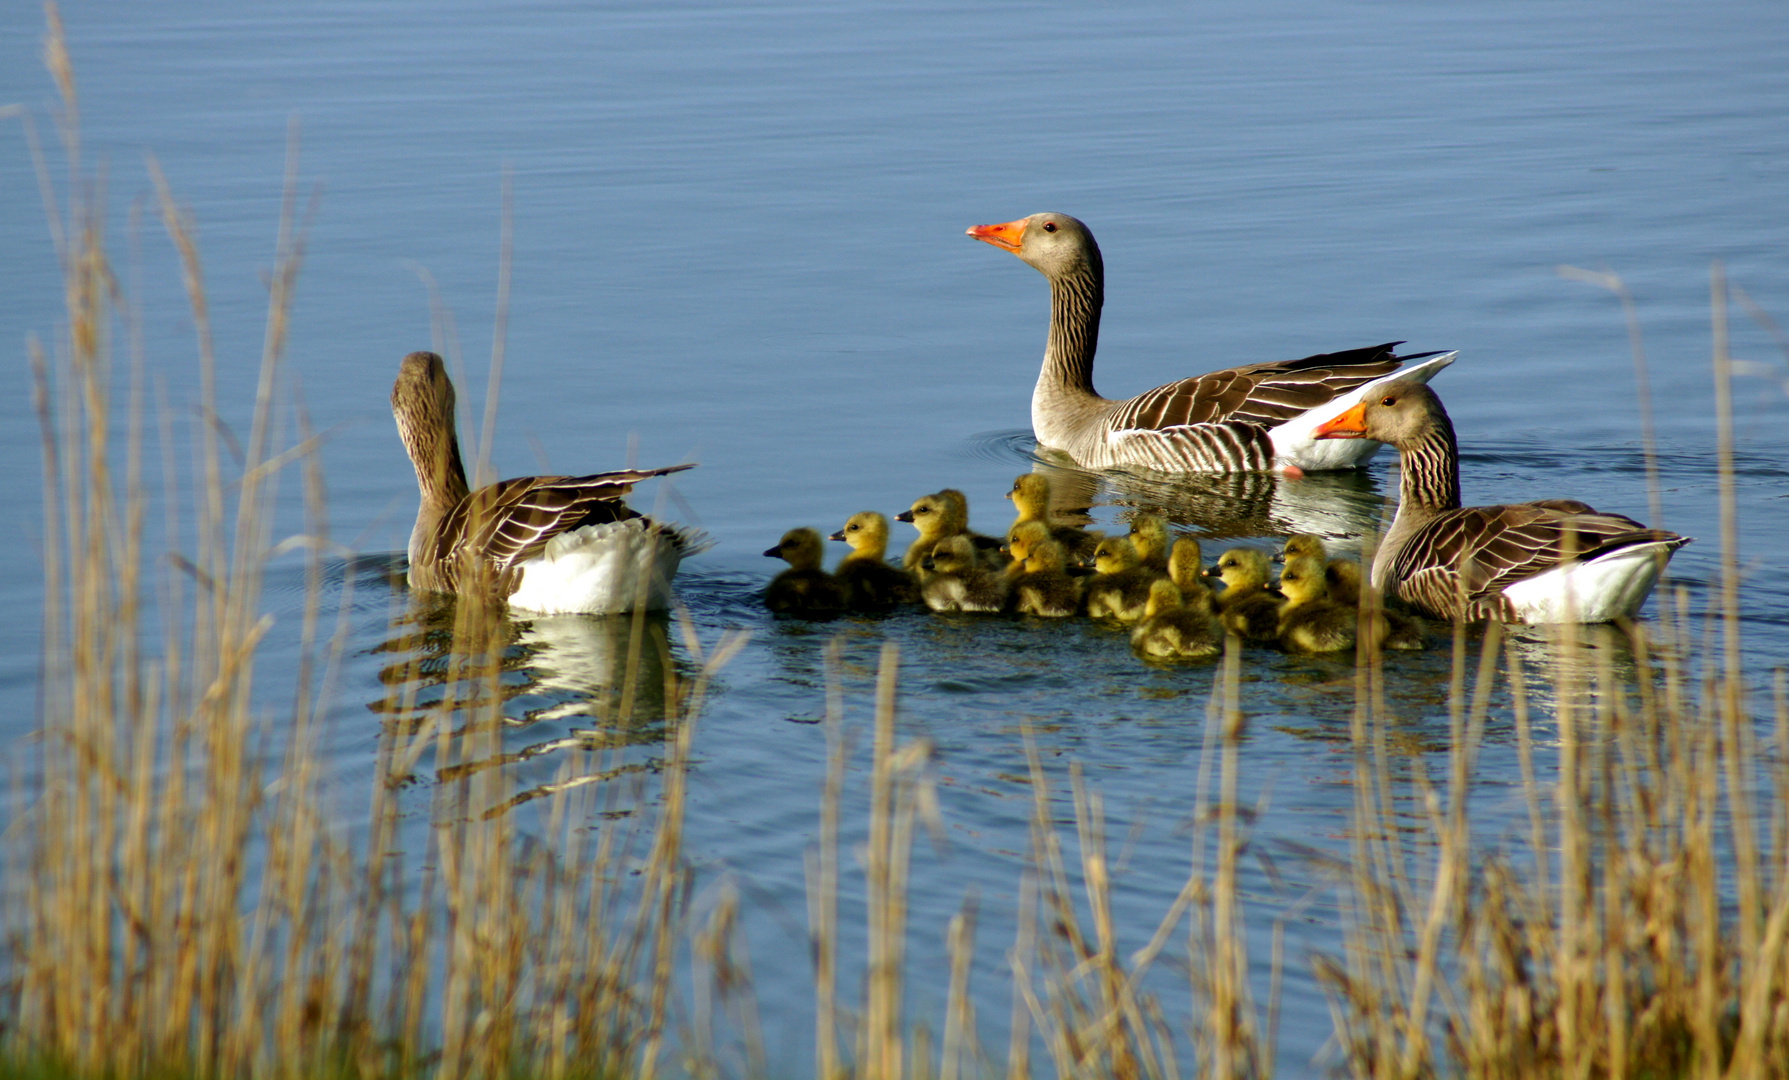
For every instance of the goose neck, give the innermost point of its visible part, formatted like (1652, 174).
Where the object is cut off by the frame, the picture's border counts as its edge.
(1075, 302)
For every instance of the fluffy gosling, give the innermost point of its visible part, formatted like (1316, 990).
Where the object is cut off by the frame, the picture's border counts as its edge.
(957, 581)
(1039, 577)
(1031, 498)
(869, 583)
(940, 515)
(1186, 567)
(804, 589)
(1248, 608)
(1149, 535)
(1119, 588)
(1177, 625)
(1310, 622)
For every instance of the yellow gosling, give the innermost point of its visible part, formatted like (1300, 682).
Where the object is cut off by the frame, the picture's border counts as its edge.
(957, 581)
(1120, 585)
(1186, 566)
(1343, 576)
(1302, 544)
(1031, 498)
(1039, 577)
(937, 516)
(869, 583)
(1310, 622)
(1177, 625)
(1248, 608)
(1149, 535)
(804, 589)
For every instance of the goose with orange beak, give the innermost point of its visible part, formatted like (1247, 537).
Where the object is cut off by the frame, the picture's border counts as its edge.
(1252, 418)
(1551, 561)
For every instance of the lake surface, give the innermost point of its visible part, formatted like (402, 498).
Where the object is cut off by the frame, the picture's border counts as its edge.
(738, 240)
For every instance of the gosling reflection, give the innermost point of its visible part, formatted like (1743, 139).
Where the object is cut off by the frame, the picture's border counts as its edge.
(559, 684)
(1340, 506)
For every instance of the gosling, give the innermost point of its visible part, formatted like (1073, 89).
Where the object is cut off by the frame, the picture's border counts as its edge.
(1396, 629)
(938, 516)
(1178, 625)
(1186, 567)
(1039, 577)
(869, 583)
(1031, 498)
(804, 589)
(1310, 622)
(1149, 534)
(1301, 544)
(957, 581)
(1248, 608)
(1120, 585)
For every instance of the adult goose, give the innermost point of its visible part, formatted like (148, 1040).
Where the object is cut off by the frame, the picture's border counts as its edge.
(542, 543)
(1556, 560)
(1242, 419)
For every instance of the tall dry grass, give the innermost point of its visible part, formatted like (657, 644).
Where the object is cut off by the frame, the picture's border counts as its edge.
(182, 896)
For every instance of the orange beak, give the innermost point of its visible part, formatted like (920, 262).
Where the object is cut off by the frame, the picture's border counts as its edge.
(1009, 236)
(1350, 425)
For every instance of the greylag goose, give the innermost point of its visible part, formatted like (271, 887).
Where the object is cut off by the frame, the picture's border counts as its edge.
(1177, 624)
(1247, 607)
(1309, 621)
(1120, 585)
(958, 581)
(1249, 418)
(1039, 577)
(555, 544)
(1031, 498)
(871, 584)
(1556, 560)
(804, 589)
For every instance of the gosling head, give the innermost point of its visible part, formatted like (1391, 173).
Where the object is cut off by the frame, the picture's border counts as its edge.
(1303, 580)
(1186, 562)
(1150, 535)
(953, 555)
(928, 514)
(1301, 544)
(800, 548)
(867, 533)
(1240, 567)
(1115, 554)
(1031, 496)
(1026, 537)
(1344, 581)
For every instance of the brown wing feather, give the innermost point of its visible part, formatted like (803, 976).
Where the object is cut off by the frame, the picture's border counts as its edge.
(1479, 551)
(1266, 394)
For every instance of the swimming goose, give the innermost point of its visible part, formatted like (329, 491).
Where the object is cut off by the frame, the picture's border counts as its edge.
(1555, 560)
(1248, 608)
(938, 516)
(956, 580)
(1119, 588)
(871, 584)
(1038, 576)
(1177, 625)
(804, 589)
(1031, 498)
(1309, 621)
(1249, 418)
(553, 544)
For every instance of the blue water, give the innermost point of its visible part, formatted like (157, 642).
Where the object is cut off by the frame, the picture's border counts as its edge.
(738, 240)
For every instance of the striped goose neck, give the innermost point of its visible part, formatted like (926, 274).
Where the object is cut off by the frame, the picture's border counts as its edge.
(435, 451)
(1075, 302)
(1431, 469)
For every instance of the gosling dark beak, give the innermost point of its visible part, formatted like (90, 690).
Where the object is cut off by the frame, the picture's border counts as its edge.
(775, 553)
(1211, 572)
(927, 563)
(840, 535)
(905, 515)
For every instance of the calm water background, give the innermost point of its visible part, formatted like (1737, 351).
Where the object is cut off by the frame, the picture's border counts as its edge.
(738, 240)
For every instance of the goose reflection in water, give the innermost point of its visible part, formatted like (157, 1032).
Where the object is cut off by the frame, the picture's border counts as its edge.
(566, 685)
(1342, 507)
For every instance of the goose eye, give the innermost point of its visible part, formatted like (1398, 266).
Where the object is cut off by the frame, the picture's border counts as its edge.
(1049, 226)
(1388, 401)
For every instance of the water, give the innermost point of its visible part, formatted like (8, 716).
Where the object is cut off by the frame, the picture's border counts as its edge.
(738, 240)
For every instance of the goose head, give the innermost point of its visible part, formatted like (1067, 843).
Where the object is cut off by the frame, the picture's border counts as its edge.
(800, 548)
(422, 401)
(1059, 246)
(867, 533)
(1403, 413)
